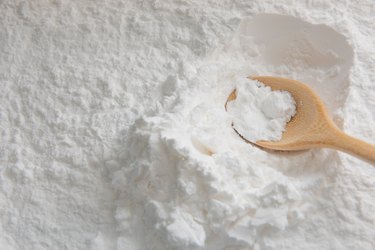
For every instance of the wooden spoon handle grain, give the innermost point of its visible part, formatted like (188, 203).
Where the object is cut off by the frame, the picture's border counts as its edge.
(346, 143)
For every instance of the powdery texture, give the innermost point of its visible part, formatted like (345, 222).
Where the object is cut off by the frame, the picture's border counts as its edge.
(76, 172)
(258, 113)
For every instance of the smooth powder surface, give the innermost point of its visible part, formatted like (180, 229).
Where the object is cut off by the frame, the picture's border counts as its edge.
(114, 135)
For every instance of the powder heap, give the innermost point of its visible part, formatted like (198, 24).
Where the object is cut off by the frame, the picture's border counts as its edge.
(195, 184)
(258, 113)
(114, 136)
(188, 181)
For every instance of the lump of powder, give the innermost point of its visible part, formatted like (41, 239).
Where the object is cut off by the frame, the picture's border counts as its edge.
(258, 113)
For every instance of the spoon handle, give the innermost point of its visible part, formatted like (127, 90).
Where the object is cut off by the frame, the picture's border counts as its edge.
(353, 146)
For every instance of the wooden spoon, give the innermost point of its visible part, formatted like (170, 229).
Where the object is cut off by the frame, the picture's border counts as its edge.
(311, 126)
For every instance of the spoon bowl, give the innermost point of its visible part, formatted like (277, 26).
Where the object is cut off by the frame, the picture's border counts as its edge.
(311, 126)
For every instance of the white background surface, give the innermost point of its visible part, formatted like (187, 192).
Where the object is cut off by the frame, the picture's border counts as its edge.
(75, 74)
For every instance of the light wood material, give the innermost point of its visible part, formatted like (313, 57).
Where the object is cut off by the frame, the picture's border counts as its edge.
(311, 126)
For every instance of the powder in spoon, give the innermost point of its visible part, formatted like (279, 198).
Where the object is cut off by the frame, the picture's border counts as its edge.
(258, 113)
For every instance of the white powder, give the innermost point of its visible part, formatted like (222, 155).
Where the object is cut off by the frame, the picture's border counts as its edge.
(114, 134)
(258, 113)
(191, 182)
